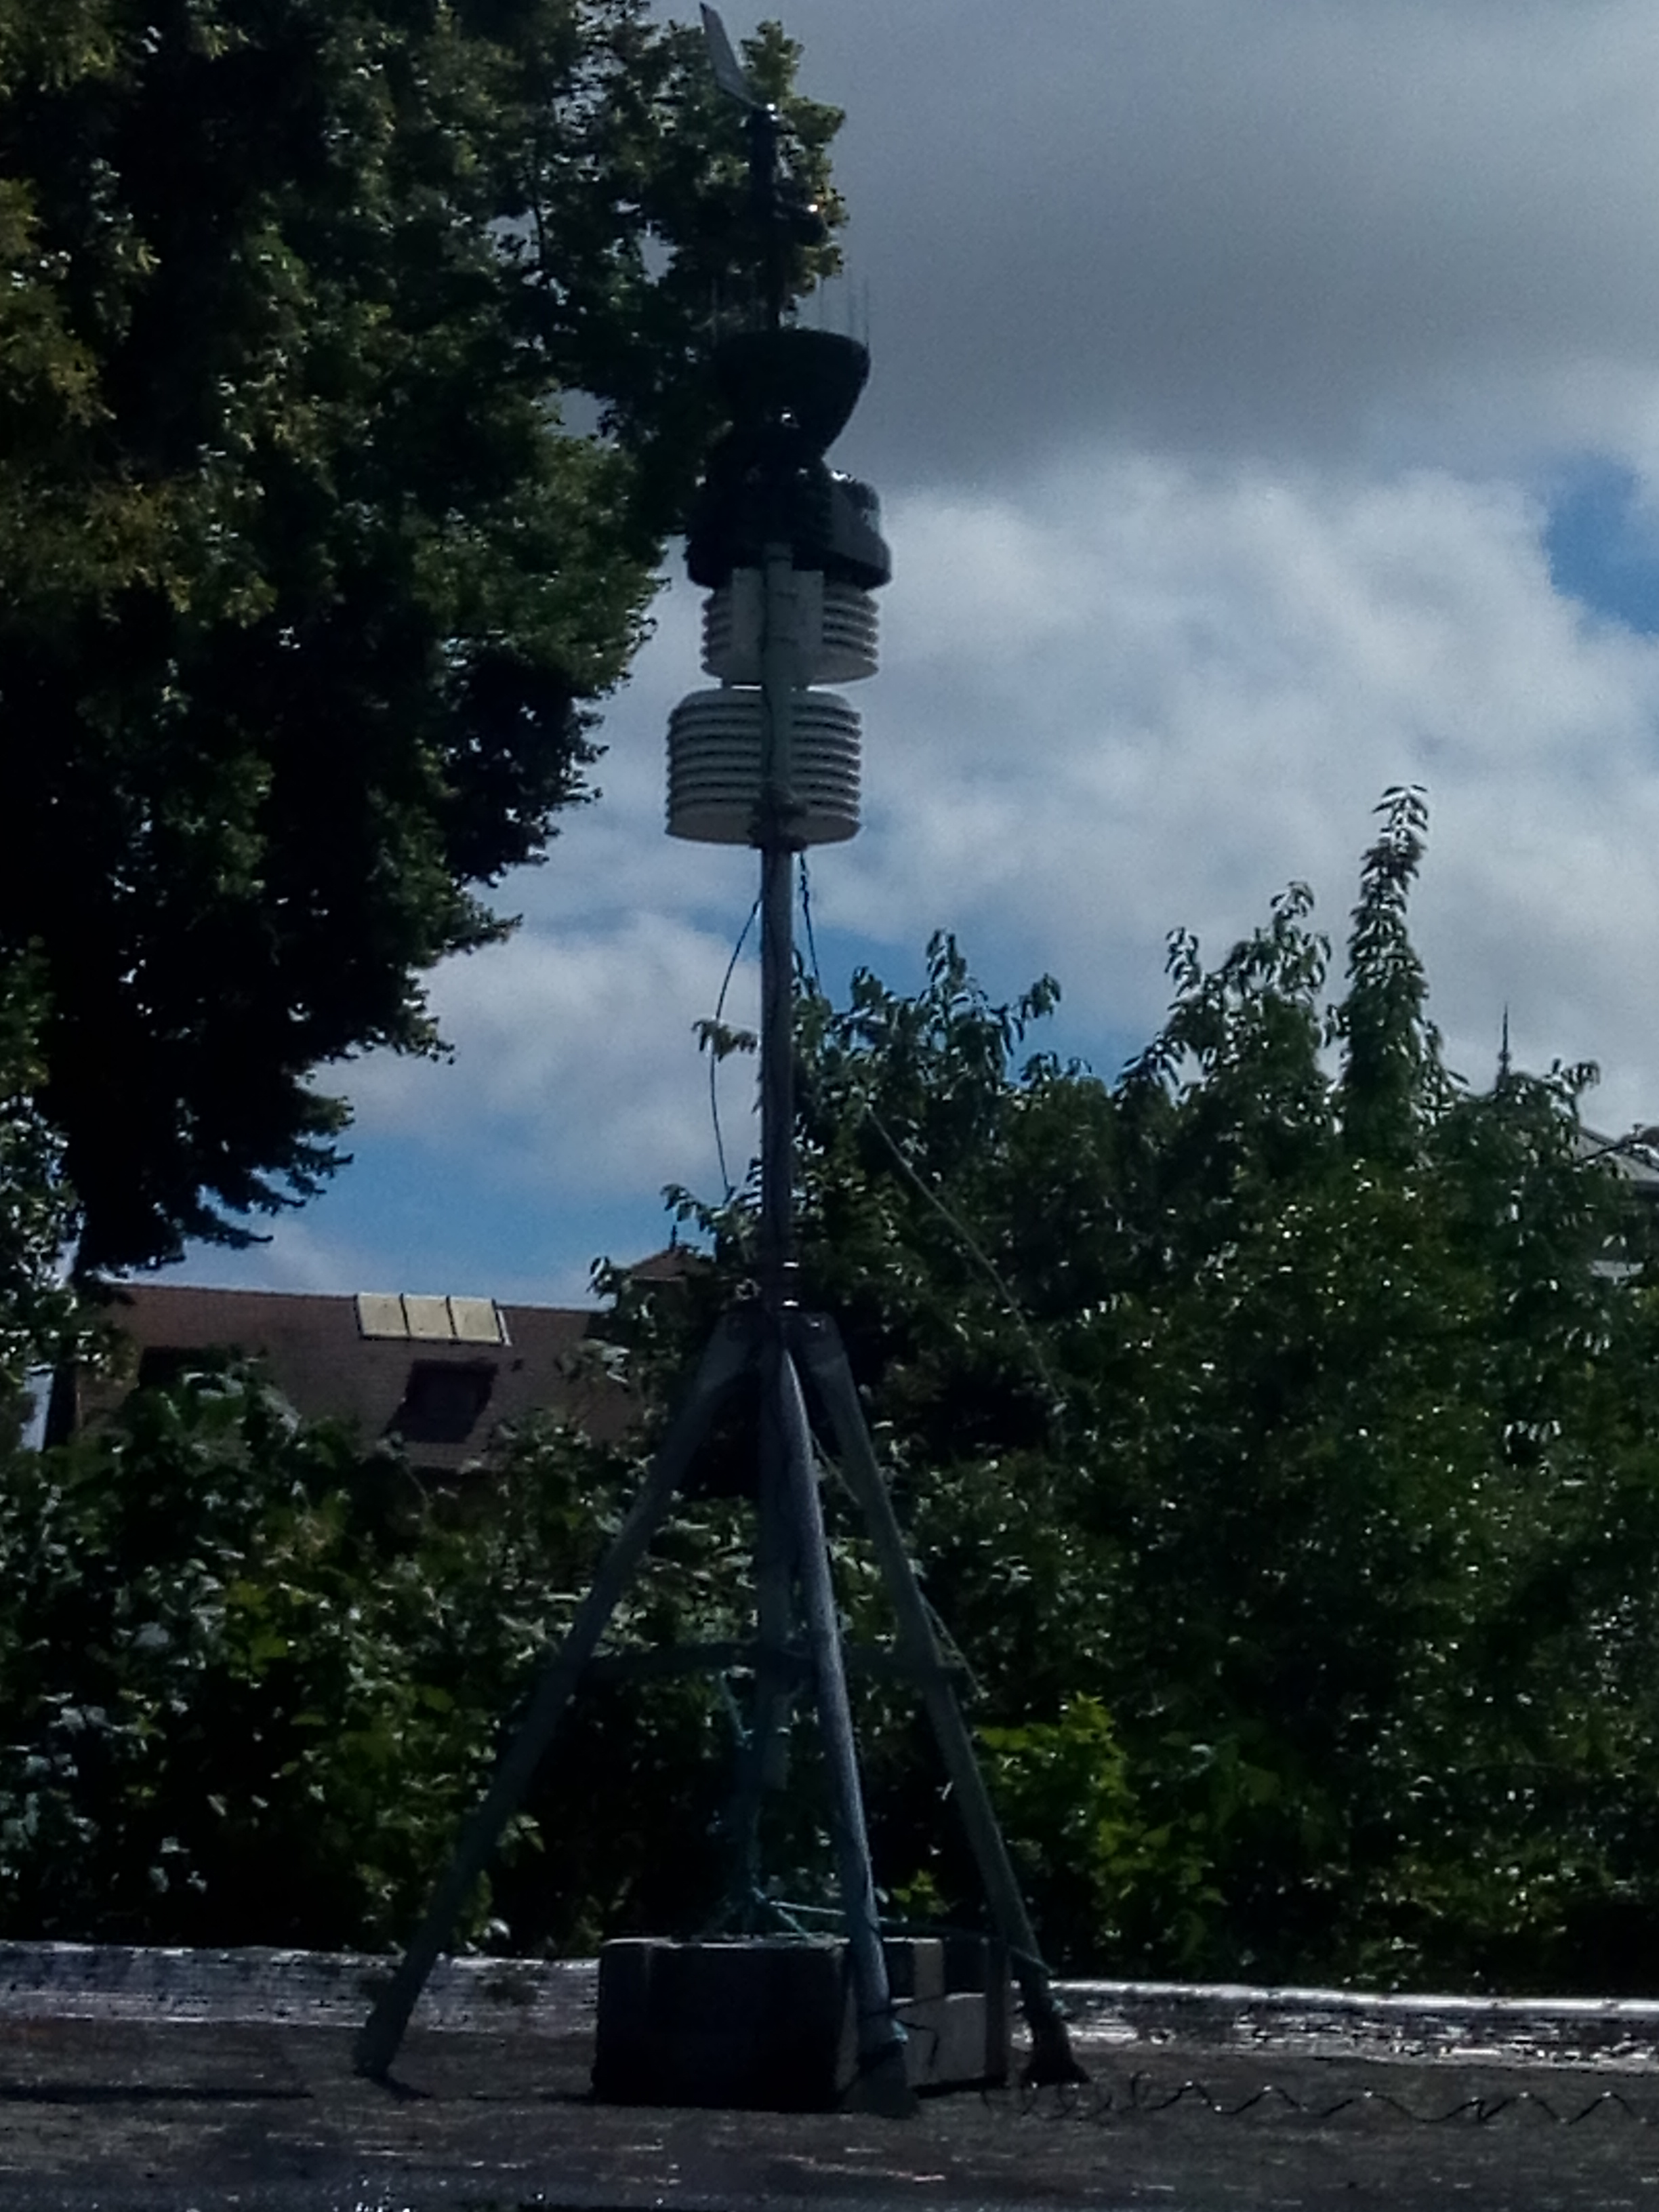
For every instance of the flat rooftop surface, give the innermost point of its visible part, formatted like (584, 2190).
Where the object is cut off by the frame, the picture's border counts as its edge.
(171, 2112)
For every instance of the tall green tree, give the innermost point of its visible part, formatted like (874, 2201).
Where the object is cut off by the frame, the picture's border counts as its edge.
(1279, 1446)
(306, 584)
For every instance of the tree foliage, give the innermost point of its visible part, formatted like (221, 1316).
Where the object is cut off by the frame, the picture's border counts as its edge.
(252, 1680)
(305, 585)
(1277, 1425)
(40, 1323)
(1275, 1420)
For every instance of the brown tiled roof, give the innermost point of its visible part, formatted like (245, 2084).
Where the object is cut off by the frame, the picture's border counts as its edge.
(445, 1400)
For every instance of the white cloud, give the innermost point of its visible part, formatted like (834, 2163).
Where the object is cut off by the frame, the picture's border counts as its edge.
(293, 1254)
(1424, 228)
(298, 1256)
(1142, 695)
(1146, 694)
(576, 1066)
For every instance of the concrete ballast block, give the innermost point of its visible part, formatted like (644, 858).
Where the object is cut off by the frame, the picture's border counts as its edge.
(770, 2023)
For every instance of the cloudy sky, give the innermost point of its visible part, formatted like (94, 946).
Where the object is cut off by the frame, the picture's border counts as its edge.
(1266, 410)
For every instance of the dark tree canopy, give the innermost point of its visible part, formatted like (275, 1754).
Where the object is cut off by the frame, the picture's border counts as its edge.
(1276, 1425)
(303, 585)
(40, 1323)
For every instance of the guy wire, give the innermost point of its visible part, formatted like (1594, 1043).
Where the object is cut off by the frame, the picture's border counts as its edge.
(715, 1055)
(806, 921)
(1055, 1404)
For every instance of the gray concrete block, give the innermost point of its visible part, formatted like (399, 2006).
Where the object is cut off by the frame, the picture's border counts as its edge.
(770, 2023)
(963, 2035)
(915, 1968)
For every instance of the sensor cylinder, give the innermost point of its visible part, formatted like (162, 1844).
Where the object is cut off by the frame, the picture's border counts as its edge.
(717, 785)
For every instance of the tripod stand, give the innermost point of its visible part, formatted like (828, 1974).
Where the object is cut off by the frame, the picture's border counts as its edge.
(771, 1339)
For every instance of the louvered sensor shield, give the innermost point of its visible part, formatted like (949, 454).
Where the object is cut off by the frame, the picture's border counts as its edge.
(840, 621)
(717, 740)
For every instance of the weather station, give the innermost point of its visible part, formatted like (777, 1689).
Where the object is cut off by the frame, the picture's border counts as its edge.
(790, 553)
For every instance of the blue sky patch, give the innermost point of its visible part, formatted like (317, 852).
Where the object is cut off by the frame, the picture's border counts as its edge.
(1603, 546)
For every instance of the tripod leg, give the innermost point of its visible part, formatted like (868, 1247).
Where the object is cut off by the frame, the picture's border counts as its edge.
(826, 1362)
(728, 1354)
(882, 2085)
(764, 1764)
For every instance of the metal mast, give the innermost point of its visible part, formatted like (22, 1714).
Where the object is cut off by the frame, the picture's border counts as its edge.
(778, 539)
(790, 553)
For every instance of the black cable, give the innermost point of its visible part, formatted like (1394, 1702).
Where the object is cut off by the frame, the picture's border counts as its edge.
(806, 921)
(712, 1033)
(1144, 2097)
(953, 1222)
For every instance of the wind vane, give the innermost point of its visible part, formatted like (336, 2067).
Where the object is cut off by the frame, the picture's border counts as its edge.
(728, 70)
